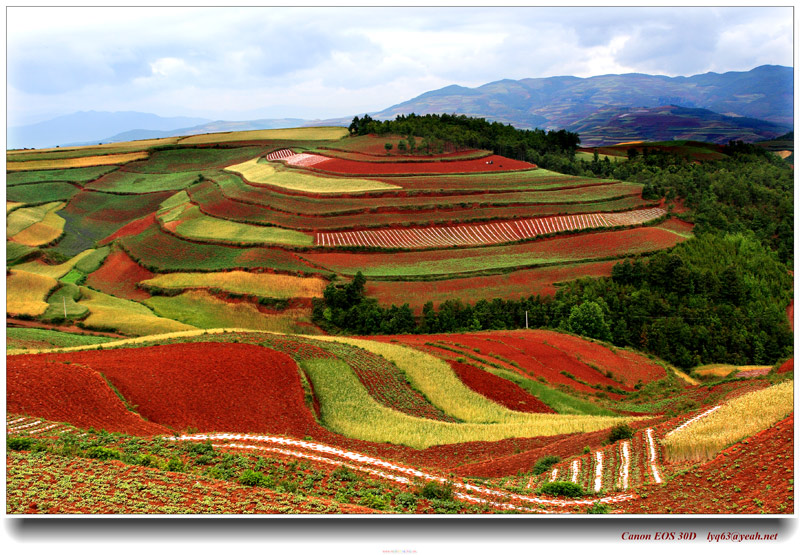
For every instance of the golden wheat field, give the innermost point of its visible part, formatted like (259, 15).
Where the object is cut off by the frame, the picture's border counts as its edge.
(735, 420)
(267, 173)
(26, 293)
(291, 134)
(275, 286)
(81, 162)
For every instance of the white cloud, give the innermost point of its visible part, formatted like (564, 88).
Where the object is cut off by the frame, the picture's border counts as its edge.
(307, 62)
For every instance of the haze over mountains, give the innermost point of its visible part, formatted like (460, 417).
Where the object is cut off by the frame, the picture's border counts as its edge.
(741, 105)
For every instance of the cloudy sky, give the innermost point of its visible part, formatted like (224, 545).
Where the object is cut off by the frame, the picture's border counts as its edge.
(248, 63)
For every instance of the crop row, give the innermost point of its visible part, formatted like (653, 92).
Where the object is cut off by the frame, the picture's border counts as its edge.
(501, 499)
(383, 381)
(449, 263)
(483, 234)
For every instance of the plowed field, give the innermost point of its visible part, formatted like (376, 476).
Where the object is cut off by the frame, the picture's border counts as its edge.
(492, 164)
(74, 393)
(208, 387)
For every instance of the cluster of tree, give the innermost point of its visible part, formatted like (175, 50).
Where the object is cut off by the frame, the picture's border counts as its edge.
(441, 132)
(751, 189)
(718, 298)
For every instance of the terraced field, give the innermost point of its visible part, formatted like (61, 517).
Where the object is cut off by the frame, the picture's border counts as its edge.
(194, 263)
(305, 204)
(413, 427)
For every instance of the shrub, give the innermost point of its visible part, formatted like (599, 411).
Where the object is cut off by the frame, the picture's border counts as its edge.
(251, 478)
(621, 431)
(19, 443)
(406, 500)
(437, 490)
(199, 448)
(598, 509)
(545, 463)
(102, 453)
(563, 489)
(287, 486)
(344, 474)
(175, 464)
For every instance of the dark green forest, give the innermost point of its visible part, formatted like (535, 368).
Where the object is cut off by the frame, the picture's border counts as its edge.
(719, 297)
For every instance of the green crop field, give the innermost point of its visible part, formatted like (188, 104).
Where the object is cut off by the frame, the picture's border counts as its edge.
(160, 251)
(41, 192)
(78, 175)
(34, 338)
(193, 224)
(123, 316)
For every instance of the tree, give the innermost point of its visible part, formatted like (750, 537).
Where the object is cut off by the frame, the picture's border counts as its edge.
(388, 147)
(587, 319)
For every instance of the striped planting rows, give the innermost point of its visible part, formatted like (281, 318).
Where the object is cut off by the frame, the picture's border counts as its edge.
(396, 472)
(279, 154)
(31, 426)
(691, 420)
(302, 160)
(483, 234)
(617, 467)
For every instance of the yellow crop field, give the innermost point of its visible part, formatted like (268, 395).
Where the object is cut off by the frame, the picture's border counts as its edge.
(275, 286)
(49, 229)
(737, 419)
(722, 370)
(25, 217)
(11, 205)
(348, 409)
(290, 134)
(26, 293)
(55, 271)
(267, 173)
(435, 379)
(82, 162)
(195, 225)
(125, 316)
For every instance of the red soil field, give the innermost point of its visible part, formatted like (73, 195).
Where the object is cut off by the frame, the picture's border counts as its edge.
(485, 233)
(174, 383)
(675, 224)
(514, 285)
(118, 276)
(148, 491)
(492, 164)
(72, 393)
(787, 366)
(573, 247)
(535, 356)
(752, 476)
(563, 446)
(626, 366)
(395, 157)
(501, 391)
(206, 386)
(133, 228)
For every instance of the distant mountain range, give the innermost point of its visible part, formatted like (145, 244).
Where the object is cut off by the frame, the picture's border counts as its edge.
(593, 105)
(712, 107)
(90, 127)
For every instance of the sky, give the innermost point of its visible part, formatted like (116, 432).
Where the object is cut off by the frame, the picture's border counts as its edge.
(325, 62)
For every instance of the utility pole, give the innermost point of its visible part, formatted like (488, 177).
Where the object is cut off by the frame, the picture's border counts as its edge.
(526, 319)
(65, 309)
